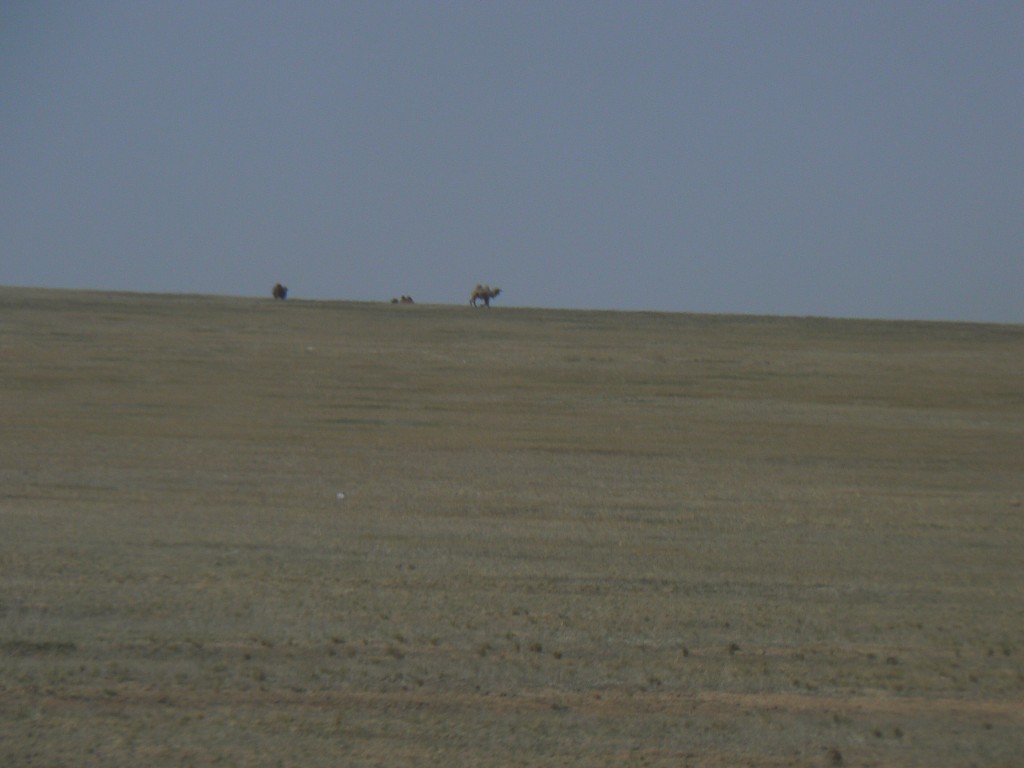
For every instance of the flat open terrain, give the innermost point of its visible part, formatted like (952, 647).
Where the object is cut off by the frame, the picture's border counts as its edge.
(245, 532)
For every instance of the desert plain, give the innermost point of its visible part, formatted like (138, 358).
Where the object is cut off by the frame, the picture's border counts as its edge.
(238, 531)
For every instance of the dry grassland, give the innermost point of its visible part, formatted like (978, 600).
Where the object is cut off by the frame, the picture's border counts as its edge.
(244, 532)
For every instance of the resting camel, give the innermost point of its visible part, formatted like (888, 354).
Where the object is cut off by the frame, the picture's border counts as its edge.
(280, 291)
(403, 300)
(483, 293)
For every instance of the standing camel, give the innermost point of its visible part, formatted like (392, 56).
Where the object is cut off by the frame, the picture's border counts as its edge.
(483, 293)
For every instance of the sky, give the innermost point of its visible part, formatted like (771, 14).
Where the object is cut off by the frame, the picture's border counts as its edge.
(841, 159)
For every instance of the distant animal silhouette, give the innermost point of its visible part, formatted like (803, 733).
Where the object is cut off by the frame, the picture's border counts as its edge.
(280, 291)
(403, 300)
(483, 293)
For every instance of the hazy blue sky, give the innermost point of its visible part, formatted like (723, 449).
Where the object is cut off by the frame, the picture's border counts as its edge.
(801, 158)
